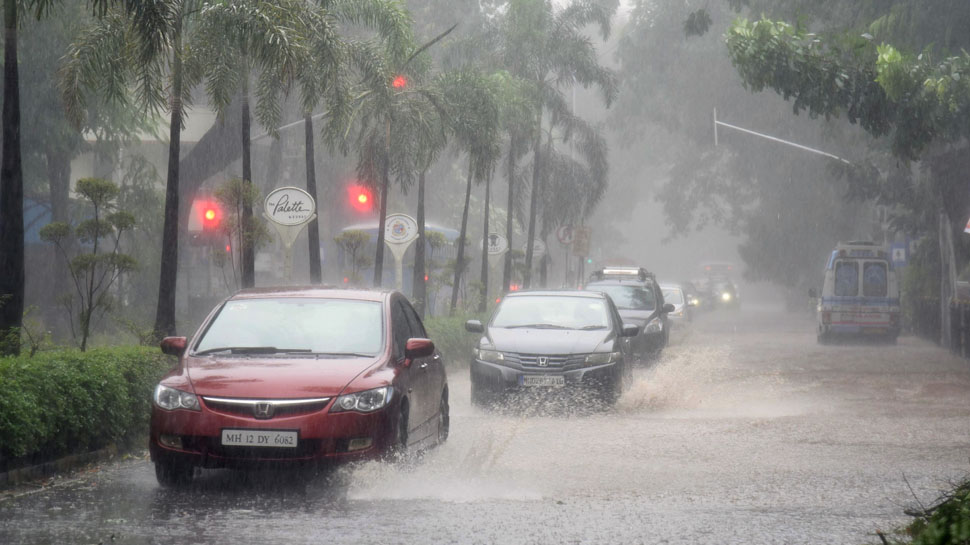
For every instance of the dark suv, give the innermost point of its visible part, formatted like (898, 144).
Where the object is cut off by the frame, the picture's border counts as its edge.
(640, 300)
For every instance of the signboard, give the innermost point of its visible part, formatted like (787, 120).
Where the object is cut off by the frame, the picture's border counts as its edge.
(899, 253)
(289, 206)
(581, 236)
(565, 234)
(400, 229)
(497, 244)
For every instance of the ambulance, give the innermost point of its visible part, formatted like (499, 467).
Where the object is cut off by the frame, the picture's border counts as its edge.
(860, 294)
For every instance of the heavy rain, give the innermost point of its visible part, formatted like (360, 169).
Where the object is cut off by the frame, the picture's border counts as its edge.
(485, 271)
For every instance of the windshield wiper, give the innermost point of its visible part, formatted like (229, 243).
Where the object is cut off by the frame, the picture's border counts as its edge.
(347, 354)
(254, 350)
(592, 327)
(537, 326)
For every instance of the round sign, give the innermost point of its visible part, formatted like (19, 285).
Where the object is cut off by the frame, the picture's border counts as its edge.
(565, 234)
(497, 244)
(400, 229)
(289, 206)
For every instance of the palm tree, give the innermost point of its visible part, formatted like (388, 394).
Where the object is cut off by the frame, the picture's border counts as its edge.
(324, 75)
(237, 39)
(133, 47)
(547, 47)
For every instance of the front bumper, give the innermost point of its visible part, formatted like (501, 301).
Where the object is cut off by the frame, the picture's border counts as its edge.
(323, 438)
(500, 379)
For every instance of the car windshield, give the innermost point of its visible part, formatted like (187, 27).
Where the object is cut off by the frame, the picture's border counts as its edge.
(673, 296)
(315, 325)
(552, 312)
(627, 296)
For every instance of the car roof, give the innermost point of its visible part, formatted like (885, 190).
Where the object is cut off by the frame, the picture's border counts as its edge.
(321, 292)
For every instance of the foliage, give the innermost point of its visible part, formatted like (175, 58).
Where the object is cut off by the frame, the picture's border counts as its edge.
(234, 195)
(352, 242)
(94, 271)
(449, 335)
(64, 402)
(946, 523)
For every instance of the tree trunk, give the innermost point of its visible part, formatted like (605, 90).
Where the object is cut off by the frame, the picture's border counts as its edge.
(483, 303)
(12, 273)
(313, 230)
(246, 238)
(419, 290)
(59, 183)
(382, 220)
(507, 270)
(168, 274)
(460, 258)
(947, 277)
(533, 207)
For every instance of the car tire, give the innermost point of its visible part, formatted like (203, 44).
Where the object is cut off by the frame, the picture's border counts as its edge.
(444, 418)
(171, 475)
(480, 398)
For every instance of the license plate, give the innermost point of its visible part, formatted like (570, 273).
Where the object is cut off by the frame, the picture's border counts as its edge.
(542, 380)
(259, 438)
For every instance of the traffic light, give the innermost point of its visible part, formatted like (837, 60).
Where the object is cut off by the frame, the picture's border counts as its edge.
(399, 82)
(361, 198)
(211, 216)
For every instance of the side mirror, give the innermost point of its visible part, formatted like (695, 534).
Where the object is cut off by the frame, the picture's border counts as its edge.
(668, 307)
(630, 330)
(474, 326)
(418, 348)
(173, 346)
(812, 293)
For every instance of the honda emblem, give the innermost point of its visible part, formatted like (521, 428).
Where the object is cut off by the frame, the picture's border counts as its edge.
(263, 410)
(543, 361)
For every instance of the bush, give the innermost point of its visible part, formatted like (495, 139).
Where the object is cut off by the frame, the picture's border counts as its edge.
(947, 523)
(449, 335)
(68, 402)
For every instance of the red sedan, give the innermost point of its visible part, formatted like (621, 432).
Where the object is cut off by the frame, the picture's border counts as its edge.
(298, 376)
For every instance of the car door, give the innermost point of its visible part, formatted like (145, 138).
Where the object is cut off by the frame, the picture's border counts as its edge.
(429, 374)
(400, 333)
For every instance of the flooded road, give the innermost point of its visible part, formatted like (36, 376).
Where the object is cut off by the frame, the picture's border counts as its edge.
(746, 431)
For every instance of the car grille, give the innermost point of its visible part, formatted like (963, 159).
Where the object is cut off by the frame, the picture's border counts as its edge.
(552, 361)
(265, 409)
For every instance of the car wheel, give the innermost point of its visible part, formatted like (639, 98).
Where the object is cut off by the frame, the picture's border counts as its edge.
(444, 418)
(170, 474)
(401, 439)
(480, 398)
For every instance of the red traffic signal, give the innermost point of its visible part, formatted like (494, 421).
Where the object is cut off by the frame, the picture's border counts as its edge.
(211, 212)
(399, 82)
(360, 197)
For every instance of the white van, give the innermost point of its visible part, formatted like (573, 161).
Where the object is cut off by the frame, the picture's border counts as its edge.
(860, 295)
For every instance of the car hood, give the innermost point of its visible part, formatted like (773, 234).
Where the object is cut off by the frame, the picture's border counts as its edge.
(547, 341)
(638, 317)
(261, 377)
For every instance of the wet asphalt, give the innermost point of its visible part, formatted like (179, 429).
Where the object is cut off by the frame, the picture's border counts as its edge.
(745, 431)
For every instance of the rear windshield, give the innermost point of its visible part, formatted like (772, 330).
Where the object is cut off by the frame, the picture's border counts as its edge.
(628, 297)
(325, 326)
(846, 278)
(874, 282)
(551, 312)
(673, 296)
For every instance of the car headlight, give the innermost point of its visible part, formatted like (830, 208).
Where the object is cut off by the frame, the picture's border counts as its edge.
(654, 326)
(725, 297)
(171, 399)
(491, 356)
(603, 358)
(677, 313)
(365, 402)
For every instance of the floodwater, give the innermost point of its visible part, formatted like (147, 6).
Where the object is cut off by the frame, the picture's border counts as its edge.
(746, 431)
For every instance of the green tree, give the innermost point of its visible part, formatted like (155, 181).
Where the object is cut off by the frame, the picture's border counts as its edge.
(352, 242)
(94, 271)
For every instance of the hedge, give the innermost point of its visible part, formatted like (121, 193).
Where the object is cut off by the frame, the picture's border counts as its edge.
(68, 402)
(451, 339)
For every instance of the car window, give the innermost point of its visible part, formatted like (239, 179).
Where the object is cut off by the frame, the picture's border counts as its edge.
(874, 282)
(547, 311)
(401, 329)
(414, 321)
(674, 296)
(290, 323)
(847, 278)
(628, 296)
